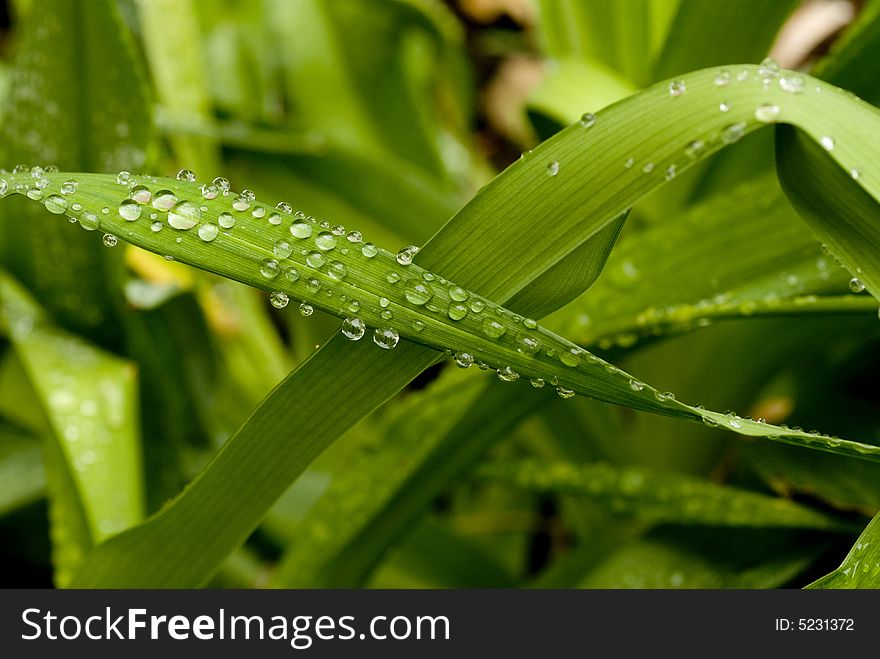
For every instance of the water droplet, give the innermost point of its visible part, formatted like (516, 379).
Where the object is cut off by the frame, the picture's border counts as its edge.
(769, 69)
(417, 293)
(89, 221)
(56, 204)
(492, 328)
(282, 248)
(458, 294)
(827, 142)
(269, 268)
(635, 385)
(457, 311)
(110, 240)
(386, 337)
(184, 215)
(222, 185)
(722, 78)
(735, 422)
(405, 256)
(392, 277)
(164, 200)
(156, 227)
(571, 357)
(325, 241)
(291, 274)
(767, 113)
(856, 285)
(553, 168)
(354, 328)
(69, 187)
(129, 210)
(279, 300)
(629, 162)
(338, 230)
(793, 83)
(314, 285)
(208, 232)
(35, 194)
(670, 172)
(123, 178)
(677, 88)
(274, 218)
(369, 250)
(260, 212)
(384, 302)
(733, 132)
(337, 270)
(141, 194)
(477, 306)
(301, 230)
(588, 119)
(648, 168)
(241, 203)
(528, 345)
(306, 309)
(463, 359)
(507, 374)
(226, 220)
(537, 383)
(186, 175)
(4, 187)
(855, 173)
(315, 259)
(724, 106)
(283, 207)
(564, 393)
(209, 191)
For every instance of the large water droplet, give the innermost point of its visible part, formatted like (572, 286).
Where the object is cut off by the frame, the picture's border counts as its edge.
(463, 359)
(241, 203)
(369, 250)
(315, 259)
(222, 185)
(184, 215)
(208, 232)
(209, 191)
(337, 270)
(226, 220)
(56, 204)
(856, 285)
(457, 311)
(282, 248)
(385, 337)
(417, 293)
(69, 187)
(492, 328)
(301, 230)
(269, 268)
(89, 221)
(186, 175)
(353, 328)
(129, 210)
(279, 299)
(325, 241)
(405, 256)
(164, 200)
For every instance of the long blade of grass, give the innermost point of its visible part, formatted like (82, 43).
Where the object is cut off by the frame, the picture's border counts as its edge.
(92, 453)
(661, 497)
(861, 567)
(569, 204)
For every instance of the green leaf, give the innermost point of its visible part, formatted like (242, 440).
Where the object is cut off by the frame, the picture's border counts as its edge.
(22, 477)
(840, 212)
(708, 34)
(661, 497)
(529, 216)
(861, 567)
(100, 122)
(92, 453)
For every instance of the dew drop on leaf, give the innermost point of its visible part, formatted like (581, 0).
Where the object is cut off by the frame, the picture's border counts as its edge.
(226, 220)
(279, 300)
(184, 215)
(129, 210)
(353, 328)
(405, 256)
(56, 204)
(186, 175)
(301, 230)
(385, 337)
(208, 232)
(110, 240)
(677, 88)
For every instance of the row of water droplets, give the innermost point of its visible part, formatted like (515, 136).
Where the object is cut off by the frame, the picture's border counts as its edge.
(316, 258)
